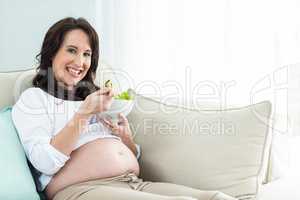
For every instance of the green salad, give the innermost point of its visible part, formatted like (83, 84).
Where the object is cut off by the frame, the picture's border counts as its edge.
(126, 95)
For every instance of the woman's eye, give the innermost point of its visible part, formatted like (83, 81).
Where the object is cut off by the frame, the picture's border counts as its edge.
(87, 54)
(71, 50)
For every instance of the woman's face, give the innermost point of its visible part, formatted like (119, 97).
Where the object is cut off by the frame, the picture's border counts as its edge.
(73, 59)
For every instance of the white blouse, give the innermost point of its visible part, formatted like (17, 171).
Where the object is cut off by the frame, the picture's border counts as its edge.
(39, 116)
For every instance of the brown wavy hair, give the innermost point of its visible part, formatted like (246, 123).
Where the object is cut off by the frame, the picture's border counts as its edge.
(53, 40)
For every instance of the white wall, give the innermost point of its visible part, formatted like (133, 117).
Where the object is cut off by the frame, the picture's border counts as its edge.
(23, 25)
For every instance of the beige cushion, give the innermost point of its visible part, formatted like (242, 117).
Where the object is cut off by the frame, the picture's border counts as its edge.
(209, 149)
(8, 82)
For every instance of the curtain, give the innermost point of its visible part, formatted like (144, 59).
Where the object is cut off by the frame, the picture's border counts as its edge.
(225, 52)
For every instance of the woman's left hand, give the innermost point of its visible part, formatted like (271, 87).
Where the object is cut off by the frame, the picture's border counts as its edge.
(120, 129)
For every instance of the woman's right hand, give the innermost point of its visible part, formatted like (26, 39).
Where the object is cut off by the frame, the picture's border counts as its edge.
(98, 101)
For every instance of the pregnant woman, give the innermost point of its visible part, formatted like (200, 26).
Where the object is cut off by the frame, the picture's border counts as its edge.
(77, 155)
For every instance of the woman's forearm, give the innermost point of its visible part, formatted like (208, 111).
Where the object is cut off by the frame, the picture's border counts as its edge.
(67, 138)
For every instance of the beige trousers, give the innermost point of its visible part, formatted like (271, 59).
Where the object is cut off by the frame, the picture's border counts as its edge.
(130, 187)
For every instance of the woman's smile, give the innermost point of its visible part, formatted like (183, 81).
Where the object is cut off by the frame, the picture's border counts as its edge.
(75, 72)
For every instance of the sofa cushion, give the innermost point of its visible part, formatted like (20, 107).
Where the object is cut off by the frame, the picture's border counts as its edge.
(16, 180)
(8, 81)
(206, 149)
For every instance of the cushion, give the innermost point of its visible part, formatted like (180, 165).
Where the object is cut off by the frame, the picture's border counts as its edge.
(7, 86)
(206, 149)
(16, 180)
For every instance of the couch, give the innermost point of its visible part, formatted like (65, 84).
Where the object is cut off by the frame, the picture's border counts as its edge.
(235, 162)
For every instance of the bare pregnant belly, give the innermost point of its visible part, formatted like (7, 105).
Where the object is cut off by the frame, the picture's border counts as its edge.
(98, 159)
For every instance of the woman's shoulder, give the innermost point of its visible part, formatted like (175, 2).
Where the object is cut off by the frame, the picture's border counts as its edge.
(32, 100)
(32, 92)
(33, 96)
